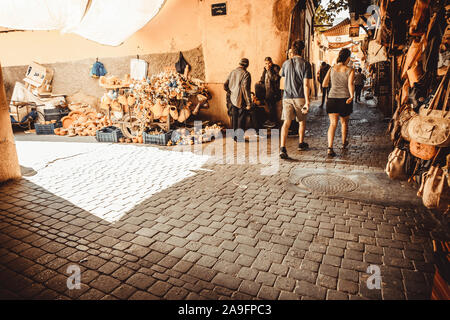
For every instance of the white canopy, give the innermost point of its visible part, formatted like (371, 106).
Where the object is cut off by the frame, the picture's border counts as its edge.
(108, 22)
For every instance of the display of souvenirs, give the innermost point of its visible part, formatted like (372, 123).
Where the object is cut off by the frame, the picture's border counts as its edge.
(165, 98)
(83, 120)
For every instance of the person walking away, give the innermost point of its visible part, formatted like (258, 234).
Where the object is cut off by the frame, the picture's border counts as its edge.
(238, 85)
(339, 103)
(324, 67)
(360, 79)
(298, 75)
(270, 80)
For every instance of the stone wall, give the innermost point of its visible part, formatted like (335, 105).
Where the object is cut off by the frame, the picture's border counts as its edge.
(72, 77)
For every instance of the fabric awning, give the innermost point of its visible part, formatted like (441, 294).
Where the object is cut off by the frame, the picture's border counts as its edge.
(108, 22)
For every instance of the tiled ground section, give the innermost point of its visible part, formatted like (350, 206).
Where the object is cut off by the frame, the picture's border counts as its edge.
(226, 232)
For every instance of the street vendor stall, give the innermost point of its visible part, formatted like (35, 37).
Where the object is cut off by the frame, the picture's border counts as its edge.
(420, 126)
(144, 111)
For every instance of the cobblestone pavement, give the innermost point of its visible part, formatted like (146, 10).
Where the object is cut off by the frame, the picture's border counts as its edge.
(154, 223)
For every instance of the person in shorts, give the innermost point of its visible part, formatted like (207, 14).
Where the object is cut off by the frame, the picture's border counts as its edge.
(340, 98)
(298, 75)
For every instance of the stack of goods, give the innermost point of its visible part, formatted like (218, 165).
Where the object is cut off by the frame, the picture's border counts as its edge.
(420, 126)
(83, 120)
(168, 93)
(192, 136)
(165, 97)
(118, 102)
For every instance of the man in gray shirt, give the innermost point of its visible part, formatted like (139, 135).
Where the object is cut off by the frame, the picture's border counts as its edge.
(238, 86)
(297, 73)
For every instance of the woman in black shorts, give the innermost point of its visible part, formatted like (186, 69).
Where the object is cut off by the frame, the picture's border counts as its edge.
(340, 97)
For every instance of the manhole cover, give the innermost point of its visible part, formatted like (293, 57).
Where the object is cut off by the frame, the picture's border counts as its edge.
(328, 183)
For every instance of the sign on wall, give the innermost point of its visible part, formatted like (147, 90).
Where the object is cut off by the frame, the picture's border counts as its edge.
(219, 9)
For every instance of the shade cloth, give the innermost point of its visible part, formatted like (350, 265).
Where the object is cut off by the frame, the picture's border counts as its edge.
(108, 22)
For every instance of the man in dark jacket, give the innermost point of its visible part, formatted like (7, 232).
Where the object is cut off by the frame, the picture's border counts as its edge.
(270, 81)
(238, 86)
(324, 67)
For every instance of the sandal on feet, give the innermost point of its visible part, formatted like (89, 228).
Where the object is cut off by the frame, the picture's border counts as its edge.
(331, 152)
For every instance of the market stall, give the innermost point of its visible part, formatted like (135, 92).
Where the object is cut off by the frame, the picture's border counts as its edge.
(158, 110)
(420, 126)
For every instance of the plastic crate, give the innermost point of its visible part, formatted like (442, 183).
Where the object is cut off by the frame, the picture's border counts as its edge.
(161, 139)
(108, 134)
(176, 135)
(47, 128)
(55, 113)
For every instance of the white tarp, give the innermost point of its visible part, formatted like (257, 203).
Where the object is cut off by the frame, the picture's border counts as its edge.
(108, 22)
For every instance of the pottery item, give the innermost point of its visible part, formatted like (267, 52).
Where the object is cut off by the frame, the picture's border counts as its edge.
(67, 121)
(173, 112)
(122, 99)
(131, 100)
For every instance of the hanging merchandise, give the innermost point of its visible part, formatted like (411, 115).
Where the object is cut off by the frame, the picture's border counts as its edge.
(432, 126)
(181, 64)
(376, 53)
(395, 167)
(413, 54)
(422, 151)
(434, 189)
(97, 70)
(138, 69)
(420, 18)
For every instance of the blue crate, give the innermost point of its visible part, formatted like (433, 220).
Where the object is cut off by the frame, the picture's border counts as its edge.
(47, 128)
(108, 134)
(161, 139)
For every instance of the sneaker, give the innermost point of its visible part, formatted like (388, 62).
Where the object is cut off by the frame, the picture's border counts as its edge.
(283, 153)
(303, 146)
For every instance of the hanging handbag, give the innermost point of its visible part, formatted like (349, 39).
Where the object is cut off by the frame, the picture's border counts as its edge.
(432, 126)
(405, 116)
(395, 167)
(421, 15)
(415, 73)
(422, 151)
(412, 56)
(434, 189)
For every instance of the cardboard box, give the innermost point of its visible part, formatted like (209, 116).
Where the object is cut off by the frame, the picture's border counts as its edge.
(39, 76)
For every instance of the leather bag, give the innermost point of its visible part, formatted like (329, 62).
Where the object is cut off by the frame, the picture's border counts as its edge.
(395, 167)
(405, 92)
(422, 151)
(412, 56)
(415, 73)
(434, 189)
(405, 116)
(421, 15)
(432, 126)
